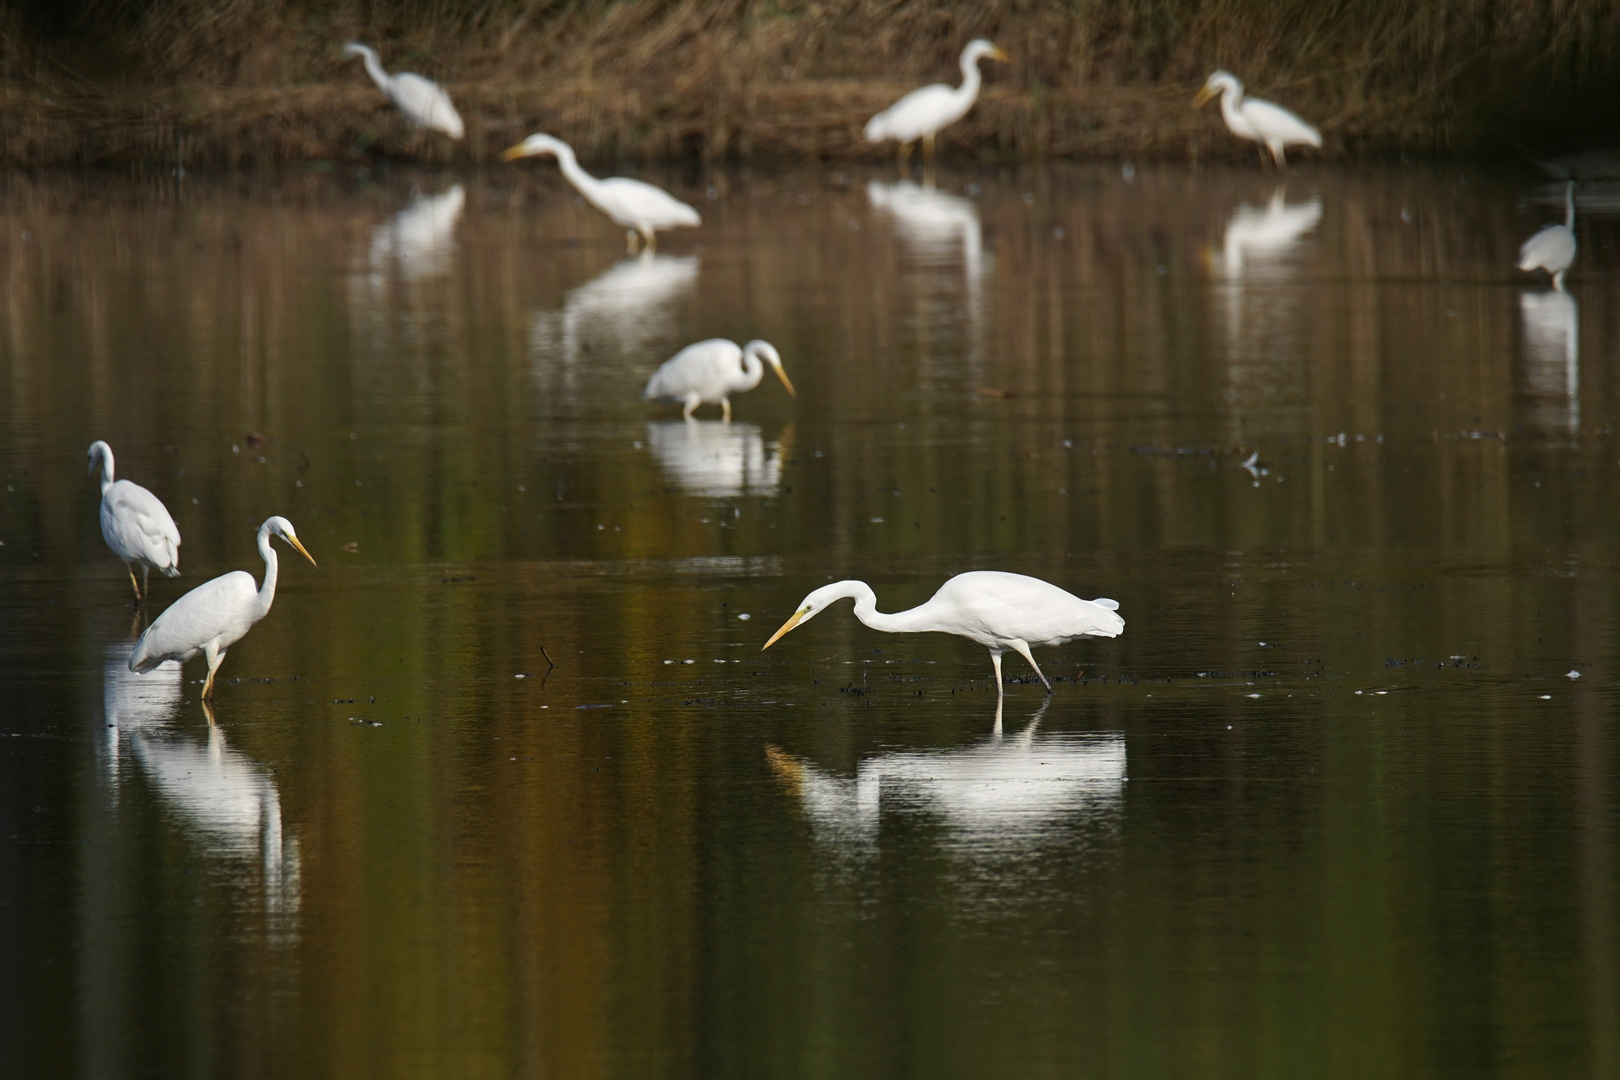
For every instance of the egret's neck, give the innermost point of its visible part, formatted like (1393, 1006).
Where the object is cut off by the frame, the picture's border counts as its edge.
(752, 371)
(272, 564)
(969, 90)
(900, 622)
(587, 184)
(1231, 98)
(374, 66)
(106, 469)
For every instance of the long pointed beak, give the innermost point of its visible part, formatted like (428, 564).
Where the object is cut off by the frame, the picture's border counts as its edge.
(781, 373)
(790, 624)
(293, 540)
(999, 53)
(1204, 95)
(512, 153)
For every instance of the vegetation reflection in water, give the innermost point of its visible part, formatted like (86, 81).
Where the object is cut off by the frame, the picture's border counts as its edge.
(1331, 805)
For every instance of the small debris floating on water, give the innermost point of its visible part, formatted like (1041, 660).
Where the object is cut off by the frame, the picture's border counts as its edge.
(1573, 674)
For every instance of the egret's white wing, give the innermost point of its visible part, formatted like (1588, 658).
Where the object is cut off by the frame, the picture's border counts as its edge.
(1552, 249)
(921, 112)
(425, 103)
(1274, 123)
(218, 608)
(706, 368)
(1006, 606)
(632, 202)
(137, 525)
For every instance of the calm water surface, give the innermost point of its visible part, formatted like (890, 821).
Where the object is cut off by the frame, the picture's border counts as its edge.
(1334, 805)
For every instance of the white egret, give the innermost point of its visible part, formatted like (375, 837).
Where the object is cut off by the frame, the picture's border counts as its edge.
(632, 205)
(216, 614)
(1553, 248)
(923, 112)
(1273, 126)
(135, 524)
(709, 372)
(998, 610)
(422, 101)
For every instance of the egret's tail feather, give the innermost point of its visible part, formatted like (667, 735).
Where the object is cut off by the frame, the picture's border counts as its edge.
(1103, 601)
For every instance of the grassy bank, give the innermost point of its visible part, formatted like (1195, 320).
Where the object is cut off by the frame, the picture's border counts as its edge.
(232, 82)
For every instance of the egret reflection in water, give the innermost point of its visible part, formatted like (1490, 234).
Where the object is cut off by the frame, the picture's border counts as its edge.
(417, 242)
(940, 232)
(228, 802)
(1000, 796)
(1259, 273)
(718, 460)
(1552, 360)
(629, 310)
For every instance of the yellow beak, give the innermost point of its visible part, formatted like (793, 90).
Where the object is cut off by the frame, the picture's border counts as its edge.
(512, 153)
(781, 373)
(1204, 95)
(293, 540)
(999, 53)
(790, 624)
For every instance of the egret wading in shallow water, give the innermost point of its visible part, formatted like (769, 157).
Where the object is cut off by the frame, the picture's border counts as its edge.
(1272, 126)
(422, 101)
(923, 112)
(135, 524)
(631, 204)
(216, 614)
(998, 610)
(709, 372)
(1552, 249)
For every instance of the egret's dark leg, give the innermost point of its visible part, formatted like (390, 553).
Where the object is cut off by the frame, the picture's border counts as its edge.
(1023, 650)
(146, 581)
(216, 657)
(132, 582)
(905, 155)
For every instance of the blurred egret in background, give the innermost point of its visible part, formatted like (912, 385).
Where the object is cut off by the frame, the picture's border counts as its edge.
(923, 112)
(1553, 248)
(998, 610)
(1273, 126)
(709, 372)
(216, 614)
(135, 524)
(633, 205)
(422, 101)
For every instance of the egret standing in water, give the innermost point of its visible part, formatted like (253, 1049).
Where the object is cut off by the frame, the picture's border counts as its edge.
(709, 372)
(999, 611)
(135, 524)
(923, 112)
(1273, 126)
(632, 205)
(422, 101)
(216, 614)
(1552, 249)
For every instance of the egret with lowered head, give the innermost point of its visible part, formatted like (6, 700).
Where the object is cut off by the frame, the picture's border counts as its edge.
(1552, 249)
(998, 610)
(634, 206)
(1272, 126)
(135, 524)
(923, 112)
(216, 614)
(709, 372)
(422, 101)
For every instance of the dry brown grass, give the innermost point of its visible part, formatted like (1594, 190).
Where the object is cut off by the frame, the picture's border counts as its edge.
(225, 82)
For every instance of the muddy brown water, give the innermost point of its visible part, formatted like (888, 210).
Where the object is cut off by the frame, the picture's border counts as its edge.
(1336, 804)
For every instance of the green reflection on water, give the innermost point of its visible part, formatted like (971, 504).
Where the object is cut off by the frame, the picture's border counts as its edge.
(396, 857)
